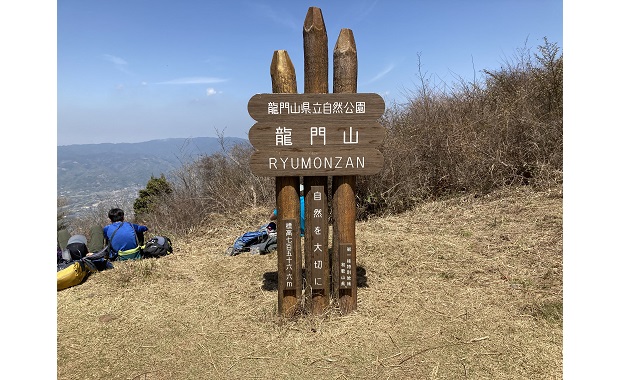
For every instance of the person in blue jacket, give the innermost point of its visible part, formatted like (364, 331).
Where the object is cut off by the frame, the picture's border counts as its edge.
(274, 214)
(122, 235)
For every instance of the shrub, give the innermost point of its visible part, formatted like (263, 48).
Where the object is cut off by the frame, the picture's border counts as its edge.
(505, 129)
(149, 196)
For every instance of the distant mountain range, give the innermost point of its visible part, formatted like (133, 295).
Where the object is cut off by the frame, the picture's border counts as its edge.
(91, 174)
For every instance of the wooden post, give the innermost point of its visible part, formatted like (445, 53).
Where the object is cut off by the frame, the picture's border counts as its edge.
(315, 81)
(288, 205)
(345, 69)
(341, 126)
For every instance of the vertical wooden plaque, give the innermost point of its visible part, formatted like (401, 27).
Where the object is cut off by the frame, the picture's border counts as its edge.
(288, 244)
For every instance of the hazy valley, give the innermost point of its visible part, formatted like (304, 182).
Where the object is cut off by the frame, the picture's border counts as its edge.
(91, 177)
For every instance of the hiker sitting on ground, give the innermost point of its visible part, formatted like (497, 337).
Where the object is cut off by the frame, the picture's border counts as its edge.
(76, 249)
(122, 235)
(95, 243)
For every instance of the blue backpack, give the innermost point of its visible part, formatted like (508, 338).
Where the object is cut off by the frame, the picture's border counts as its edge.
(259, 242)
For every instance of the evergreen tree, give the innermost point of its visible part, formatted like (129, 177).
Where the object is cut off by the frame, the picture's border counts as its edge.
(147, 197)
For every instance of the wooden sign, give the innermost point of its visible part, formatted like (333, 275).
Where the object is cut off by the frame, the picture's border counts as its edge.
(347, 271)
(328, 134)
(307, 162)
(316, 134)
(318, 232)
(288, 233)
(306, 108)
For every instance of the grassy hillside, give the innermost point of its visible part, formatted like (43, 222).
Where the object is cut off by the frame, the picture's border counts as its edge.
(465, 288)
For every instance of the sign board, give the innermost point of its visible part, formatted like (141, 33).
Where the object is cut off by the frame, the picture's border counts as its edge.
(303, 162)
(288, 233)
(347, 270)
(324, 135)
(316, 134)
(318, 230)
(316, 107)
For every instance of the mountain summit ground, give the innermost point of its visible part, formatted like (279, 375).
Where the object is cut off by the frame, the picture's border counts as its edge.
(465, 288)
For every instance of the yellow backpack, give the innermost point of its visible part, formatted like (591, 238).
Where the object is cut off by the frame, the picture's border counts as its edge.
(74, 274)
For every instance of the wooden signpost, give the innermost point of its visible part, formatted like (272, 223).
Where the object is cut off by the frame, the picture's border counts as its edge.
(315, 81)
(315, 135)
(288, 205)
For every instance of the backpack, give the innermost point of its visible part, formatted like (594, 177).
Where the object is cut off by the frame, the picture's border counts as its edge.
(266, 246)
(259, 242)
(73, 273)
(157, 246)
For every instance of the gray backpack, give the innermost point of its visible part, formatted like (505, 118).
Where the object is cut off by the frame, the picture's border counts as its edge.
(157, 246)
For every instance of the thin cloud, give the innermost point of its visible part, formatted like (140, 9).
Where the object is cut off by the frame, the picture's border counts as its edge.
(385, 71)
(115, 60)
(211, 91)
(194, 80)
(366, 11)
(281, 18)
(118, 62)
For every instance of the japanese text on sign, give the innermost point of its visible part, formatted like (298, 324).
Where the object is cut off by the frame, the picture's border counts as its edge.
(290, 263)
(319, 235)
(322, 107)
(326, 108)
(346, 267)
(317, 134)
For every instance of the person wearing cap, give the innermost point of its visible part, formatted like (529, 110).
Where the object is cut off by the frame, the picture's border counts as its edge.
(274, 214)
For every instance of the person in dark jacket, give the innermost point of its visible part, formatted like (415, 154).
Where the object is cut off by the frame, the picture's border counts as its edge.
(78, 247)
(77, 250)
(122, 235)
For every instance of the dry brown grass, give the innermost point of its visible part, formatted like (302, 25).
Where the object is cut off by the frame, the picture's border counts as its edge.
(468, 288)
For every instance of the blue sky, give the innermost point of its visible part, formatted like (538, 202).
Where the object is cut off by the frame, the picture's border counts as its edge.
(130, 71)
